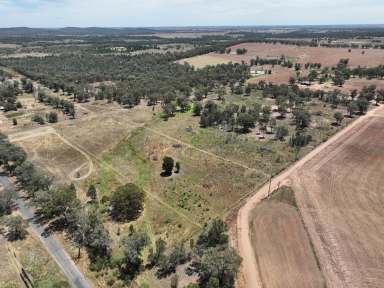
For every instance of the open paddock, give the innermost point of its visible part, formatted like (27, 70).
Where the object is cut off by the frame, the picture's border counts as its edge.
(340, 195)
(281, 244)
(326, 56)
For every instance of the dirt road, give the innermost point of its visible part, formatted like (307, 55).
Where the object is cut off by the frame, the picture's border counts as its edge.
(250, 276)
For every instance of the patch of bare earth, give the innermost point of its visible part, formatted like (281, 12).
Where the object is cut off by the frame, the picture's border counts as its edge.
(326, 56)
(282, 247)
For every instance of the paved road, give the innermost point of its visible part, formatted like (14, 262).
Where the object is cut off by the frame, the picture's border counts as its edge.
(54, 248)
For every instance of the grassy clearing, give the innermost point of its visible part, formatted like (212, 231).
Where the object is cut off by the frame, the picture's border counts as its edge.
(39, 265)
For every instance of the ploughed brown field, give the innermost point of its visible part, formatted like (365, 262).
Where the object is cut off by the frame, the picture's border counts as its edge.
(340, 193)
(282, 247)
(326, 56)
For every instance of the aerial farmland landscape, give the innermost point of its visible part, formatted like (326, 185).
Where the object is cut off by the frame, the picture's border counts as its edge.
(239, 145)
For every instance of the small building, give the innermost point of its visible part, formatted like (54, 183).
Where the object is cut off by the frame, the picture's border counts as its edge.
(256, 71)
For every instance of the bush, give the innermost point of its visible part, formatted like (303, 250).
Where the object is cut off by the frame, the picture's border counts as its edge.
(52, 117)
(38, 119)
(168, 164)
(17, 228)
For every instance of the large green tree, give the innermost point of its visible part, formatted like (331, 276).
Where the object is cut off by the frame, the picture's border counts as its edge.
(127, 202)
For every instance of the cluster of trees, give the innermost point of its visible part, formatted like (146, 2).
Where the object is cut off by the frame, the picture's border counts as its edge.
(9, 90)
(153, 76)
(56, 102)
(241, 51)
(369, 73)
(234, 117)
(214, 261)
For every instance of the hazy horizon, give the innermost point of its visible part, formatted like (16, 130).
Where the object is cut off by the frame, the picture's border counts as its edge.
(187, 13)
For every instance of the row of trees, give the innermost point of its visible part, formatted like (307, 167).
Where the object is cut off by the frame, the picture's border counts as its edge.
(9, 90)
(56, 102)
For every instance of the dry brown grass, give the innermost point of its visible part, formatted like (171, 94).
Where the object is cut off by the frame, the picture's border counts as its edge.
(340, 195)
(50, 153)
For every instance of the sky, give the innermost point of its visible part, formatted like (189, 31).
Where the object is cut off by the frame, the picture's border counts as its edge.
(151, 13)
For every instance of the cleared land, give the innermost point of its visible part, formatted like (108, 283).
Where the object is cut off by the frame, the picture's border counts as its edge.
(281, 244)
(348, 245)
(341, 198)
(205, 60)
(326, 56)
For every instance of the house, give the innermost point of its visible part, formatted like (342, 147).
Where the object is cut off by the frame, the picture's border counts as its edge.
(254, 71)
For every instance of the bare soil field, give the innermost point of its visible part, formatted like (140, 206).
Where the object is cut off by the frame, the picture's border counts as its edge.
(206, 60)
(280, 75)
(340, 195)
(341, 234)
(326, 56)
(282, 246)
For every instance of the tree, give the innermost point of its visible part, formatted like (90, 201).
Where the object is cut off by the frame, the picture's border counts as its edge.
(313, 75)
(168, 264)
(183, 103)
(217, 266)
(302, 118)
(362, 105)
(168, 164)
(133, 246)
(16, 228)
(338, 117)
(352, 108)
(197, 107)
(127, 202)
(92, 192)
(156, 255)
(213, 234)
(221, 92)
(169, 110)
(6, 200)
(79, 226)
(246, 121)
(281, 105)
(56, 201)
(38, 119)
(174, 281)
(177, 167)
(52, 117)
(281, 132)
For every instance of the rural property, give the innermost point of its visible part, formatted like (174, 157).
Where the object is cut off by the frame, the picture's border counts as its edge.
(191, 157)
